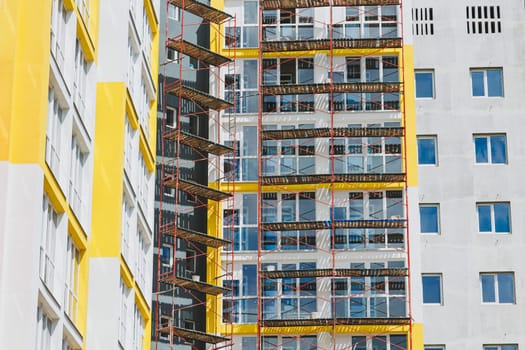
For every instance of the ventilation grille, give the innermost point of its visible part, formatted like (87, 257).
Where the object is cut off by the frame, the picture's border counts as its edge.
(483, 19)
(423, 21)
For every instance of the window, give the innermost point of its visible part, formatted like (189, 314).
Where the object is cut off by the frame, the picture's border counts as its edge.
(130, 151)
(434, 347)
(288, 343)
(250, 343)
(245, 165)
(245, 35)
(243, 222)
(376, 342)
(191, 262)
(424, 83)
(423, 21)
(142, 246)
(497, 288)
(432, 289)
(173, 12)
(376, 205)
(483, 19)
(286, 207)
(288, 157)
(240, 87)
(76, 176)
(50, 222)
(494, 217)
(288, 24)
(84, 11)
(123, 317)
(501, 347)
(370, 296)
(358, 155)
(366, 70)
(80, 81)
(166, 256)
(288, 72)
(487, 82)
(491, 149)
(292, 298)
(58, 31)
(368, 22)
(138, 330)
(45, 330)
(72, 272)
(429, 218)
(55, 119)
(240, 303)
(128, 218)
(427, 150)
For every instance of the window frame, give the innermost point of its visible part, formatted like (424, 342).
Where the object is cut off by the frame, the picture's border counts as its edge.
(441, 299)
(493, 218)
(489, 150)
(436, 153)
(438, 221)
(486, 84)
(496, 288)
(433, 87)
(500, 346)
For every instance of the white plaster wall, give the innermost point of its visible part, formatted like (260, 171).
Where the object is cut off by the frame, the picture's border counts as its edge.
(460, 253)
(20, 226)
(113, 57)
(103, 304)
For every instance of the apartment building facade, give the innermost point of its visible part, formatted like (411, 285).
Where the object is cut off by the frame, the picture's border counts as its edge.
(325, 176)
(76, 173)
(469, 96)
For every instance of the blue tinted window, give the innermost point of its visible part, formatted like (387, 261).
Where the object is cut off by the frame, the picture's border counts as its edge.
(506, 287)
(426, 150)
(487, 82)
(429, 218)
(484, 218)
(481, 145)
(494, 217)
(488, 292)
(491, 149)
(249, 279)
(502, 217)
(495, 82)
(497, 287)
(432, 289)
(424, 84)
(478, 84)
(498, 149)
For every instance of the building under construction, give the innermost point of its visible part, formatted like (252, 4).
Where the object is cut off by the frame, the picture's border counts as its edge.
(307, 129)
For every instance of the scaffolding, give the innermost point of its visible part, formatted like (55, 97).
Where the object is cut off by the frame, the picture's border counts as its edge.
(188, 237)
(340, 274)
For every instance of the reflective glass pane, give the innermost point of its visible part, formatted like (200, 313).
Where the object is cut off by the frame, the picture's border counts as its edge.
(481, 147)
(488, 290)
(506, 287)
(498, 149)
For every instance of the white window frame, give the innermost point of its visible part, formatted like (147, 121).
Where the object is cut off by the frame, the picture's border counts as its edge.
(72, 275)
(493, 217)
(174, 12)
(496, 287)
(123, 315)
(485, 82)
(55, 120)
(50, 223)
(80, 80)
(77, 175)
(45, 330)
(58, 31)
